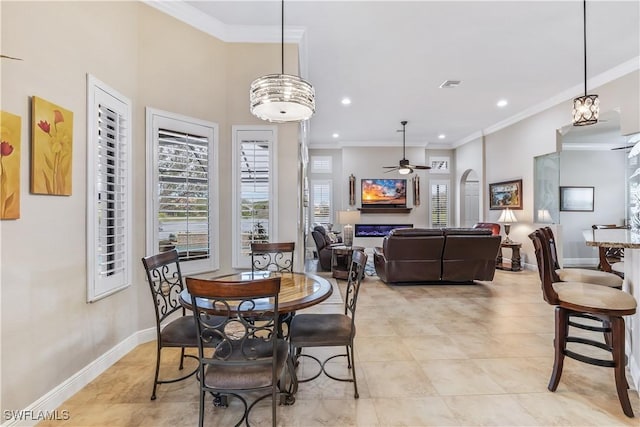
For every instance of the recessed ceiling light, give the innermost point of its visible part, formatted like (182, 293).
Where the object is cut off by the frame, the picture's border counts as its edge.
(502, 103)
(336, 135)
(346, 101)
(442, 136)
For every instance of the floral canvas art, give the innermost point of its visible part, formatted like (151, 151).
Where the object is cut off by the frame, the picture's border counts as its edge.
(10, 127)
(52, 148)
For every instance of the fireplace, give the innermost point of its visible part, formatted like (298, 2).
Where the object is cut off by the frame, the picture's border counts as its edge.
(377, 230)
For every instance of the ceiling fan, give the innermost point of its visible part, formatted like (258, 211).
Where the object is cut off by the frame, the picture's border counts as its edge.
(404, 167)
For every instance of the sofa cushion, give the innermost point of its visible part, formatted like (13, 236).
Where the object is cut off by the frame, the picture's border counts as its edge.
(415, 232)
(467, 232)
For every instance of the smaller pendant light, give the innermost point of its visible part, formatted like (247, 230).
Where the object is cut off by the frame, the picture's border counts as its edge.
(282, 97)
(585, 108)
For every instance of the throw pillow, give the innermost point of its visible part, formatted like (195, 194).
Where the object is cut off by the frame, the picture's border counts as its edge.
(332, 238)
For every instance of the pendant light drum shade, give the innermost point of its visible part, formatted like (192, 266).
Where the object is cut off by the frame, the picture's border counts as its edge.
(282, 98)
(586, 110)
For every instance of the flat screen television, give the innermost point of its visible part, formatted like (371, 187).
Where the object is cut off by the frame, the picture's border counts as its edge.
(384, 193)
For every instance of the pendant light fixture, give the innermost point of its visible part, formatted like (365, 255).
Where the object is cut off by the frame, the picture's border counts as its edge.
(585, 108)
(282, 97)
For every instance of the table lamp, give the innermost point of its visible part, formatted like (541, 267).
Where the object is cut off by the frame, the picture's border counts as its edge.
(347, 218)
(507, 217)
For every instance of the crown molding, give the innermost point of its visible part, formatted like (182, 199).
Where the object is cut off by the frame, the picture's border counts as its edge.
(593, 83)
(227, 33)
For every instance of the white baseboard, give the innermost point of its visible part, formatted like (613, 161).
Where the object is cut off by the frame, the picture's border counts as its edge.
(46, 405)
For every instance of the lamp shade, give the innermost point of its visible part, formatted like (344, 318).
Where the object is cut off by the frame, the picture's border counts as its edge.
(507, 216)
(282, 98)
(348, 217)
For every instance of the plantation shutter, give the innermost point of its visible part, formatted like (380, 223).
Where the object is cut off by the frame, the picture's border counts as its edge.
(254, 171)
(439, 204)
(321, 196)
(183, 200)
(254, 190)
(109, 191)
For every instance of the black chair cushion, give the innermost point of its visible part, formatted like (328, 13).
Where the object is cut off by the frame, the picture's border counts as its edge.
(180, 332)
(246, 374)
(320, 330)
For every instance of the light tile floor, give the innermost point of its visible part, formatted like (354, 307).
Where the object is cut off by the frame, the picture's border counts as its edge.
(427, 355)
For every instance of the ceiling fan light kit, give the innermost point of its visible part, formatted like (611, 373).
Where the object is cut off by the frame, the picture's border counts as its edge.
(404, 167)
(586, 109)
(282, 98)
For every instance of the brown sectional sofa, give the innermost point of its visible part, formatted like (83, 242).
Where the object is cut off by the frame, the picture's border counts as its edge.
(411, 255)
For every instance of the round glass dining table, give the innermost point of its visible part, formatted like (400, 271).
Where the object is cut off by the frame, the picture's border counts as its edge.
(297, 290)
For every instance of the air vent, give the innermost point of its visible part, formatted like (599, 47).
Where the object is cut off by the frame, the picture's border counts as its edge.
(450, 84)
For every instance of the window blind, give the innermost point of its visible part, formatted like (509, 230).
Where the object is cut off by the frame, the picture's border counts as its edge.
(321, 196)
(255, 189)
(183, 194)
(439, 205)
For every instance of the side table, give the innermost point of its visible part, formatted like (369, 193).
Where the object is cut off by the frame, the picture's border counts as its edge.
(341, 260)
(515, 257)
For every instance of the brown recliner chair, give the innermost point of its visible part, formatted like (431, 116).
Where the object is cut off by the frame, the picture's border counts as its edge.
(410, 255)
(493, 226)
(469, 254)
(323, 246)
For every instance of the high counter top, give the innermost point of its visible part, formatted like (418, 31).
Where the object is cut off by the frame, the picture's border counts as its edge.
(613, 238)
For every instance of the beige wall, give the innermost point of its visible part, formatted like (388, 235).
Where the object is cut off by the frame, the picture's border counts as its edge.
(49, 332)
(510, 151)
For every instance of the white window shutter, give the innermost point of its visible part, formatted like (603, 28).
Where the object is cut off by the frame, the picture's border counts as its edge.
(439, 204)
(255, 182)
(182, 203)
(109, 191)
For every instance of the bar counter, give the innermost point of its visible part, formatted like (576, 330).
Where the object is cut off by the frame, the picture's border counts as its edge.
(630, 241)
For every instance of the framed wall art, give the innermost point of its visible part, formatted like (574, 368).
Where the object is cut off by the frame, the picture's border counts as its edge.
(10, 128)
(51, 148)
(576, 199)
(506, 194)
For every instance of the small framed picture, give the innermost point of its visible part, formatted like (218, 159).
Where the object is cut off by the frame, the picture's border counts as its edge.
(576, 199)
(506, 194)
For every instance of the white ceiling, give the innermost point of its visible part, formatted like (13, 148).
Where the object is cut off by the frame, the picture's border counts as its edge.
(390, 58)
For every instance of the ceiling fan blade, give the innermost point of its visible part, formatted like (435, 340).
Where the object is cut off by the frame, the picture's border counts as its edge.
(421, 167)
(390, 167)
(391, 170)
(622, 148)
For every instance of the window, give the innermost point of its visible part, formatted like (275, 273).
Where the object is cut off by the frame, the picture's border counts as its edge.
(439, 203)
(254, 184)
(109, 202)
(182, 201)
(321, 164)
(322, 208)
(439, 164)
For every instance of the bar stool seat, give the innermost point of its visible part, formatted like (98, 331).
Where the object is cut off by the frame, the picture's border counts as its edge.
(590, 297)
(584, 275)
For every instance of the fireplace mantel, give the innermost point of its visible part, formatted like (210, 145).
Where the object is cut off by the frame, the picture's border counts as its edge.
(385, 210)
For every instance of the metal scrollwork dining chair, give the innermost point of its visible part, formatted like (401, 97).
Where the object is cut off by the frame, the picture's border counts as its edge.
(172, 330)
(331, 329)
(578, 299)
(272, 256)
(249, 355)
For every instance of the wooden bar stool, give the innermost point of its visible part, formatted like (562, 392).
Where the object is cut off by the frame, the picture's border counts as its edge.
(595, 301)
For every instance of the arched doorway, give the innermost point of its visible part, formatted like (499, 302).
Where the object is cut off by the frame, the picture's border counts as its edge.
(469, 198)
